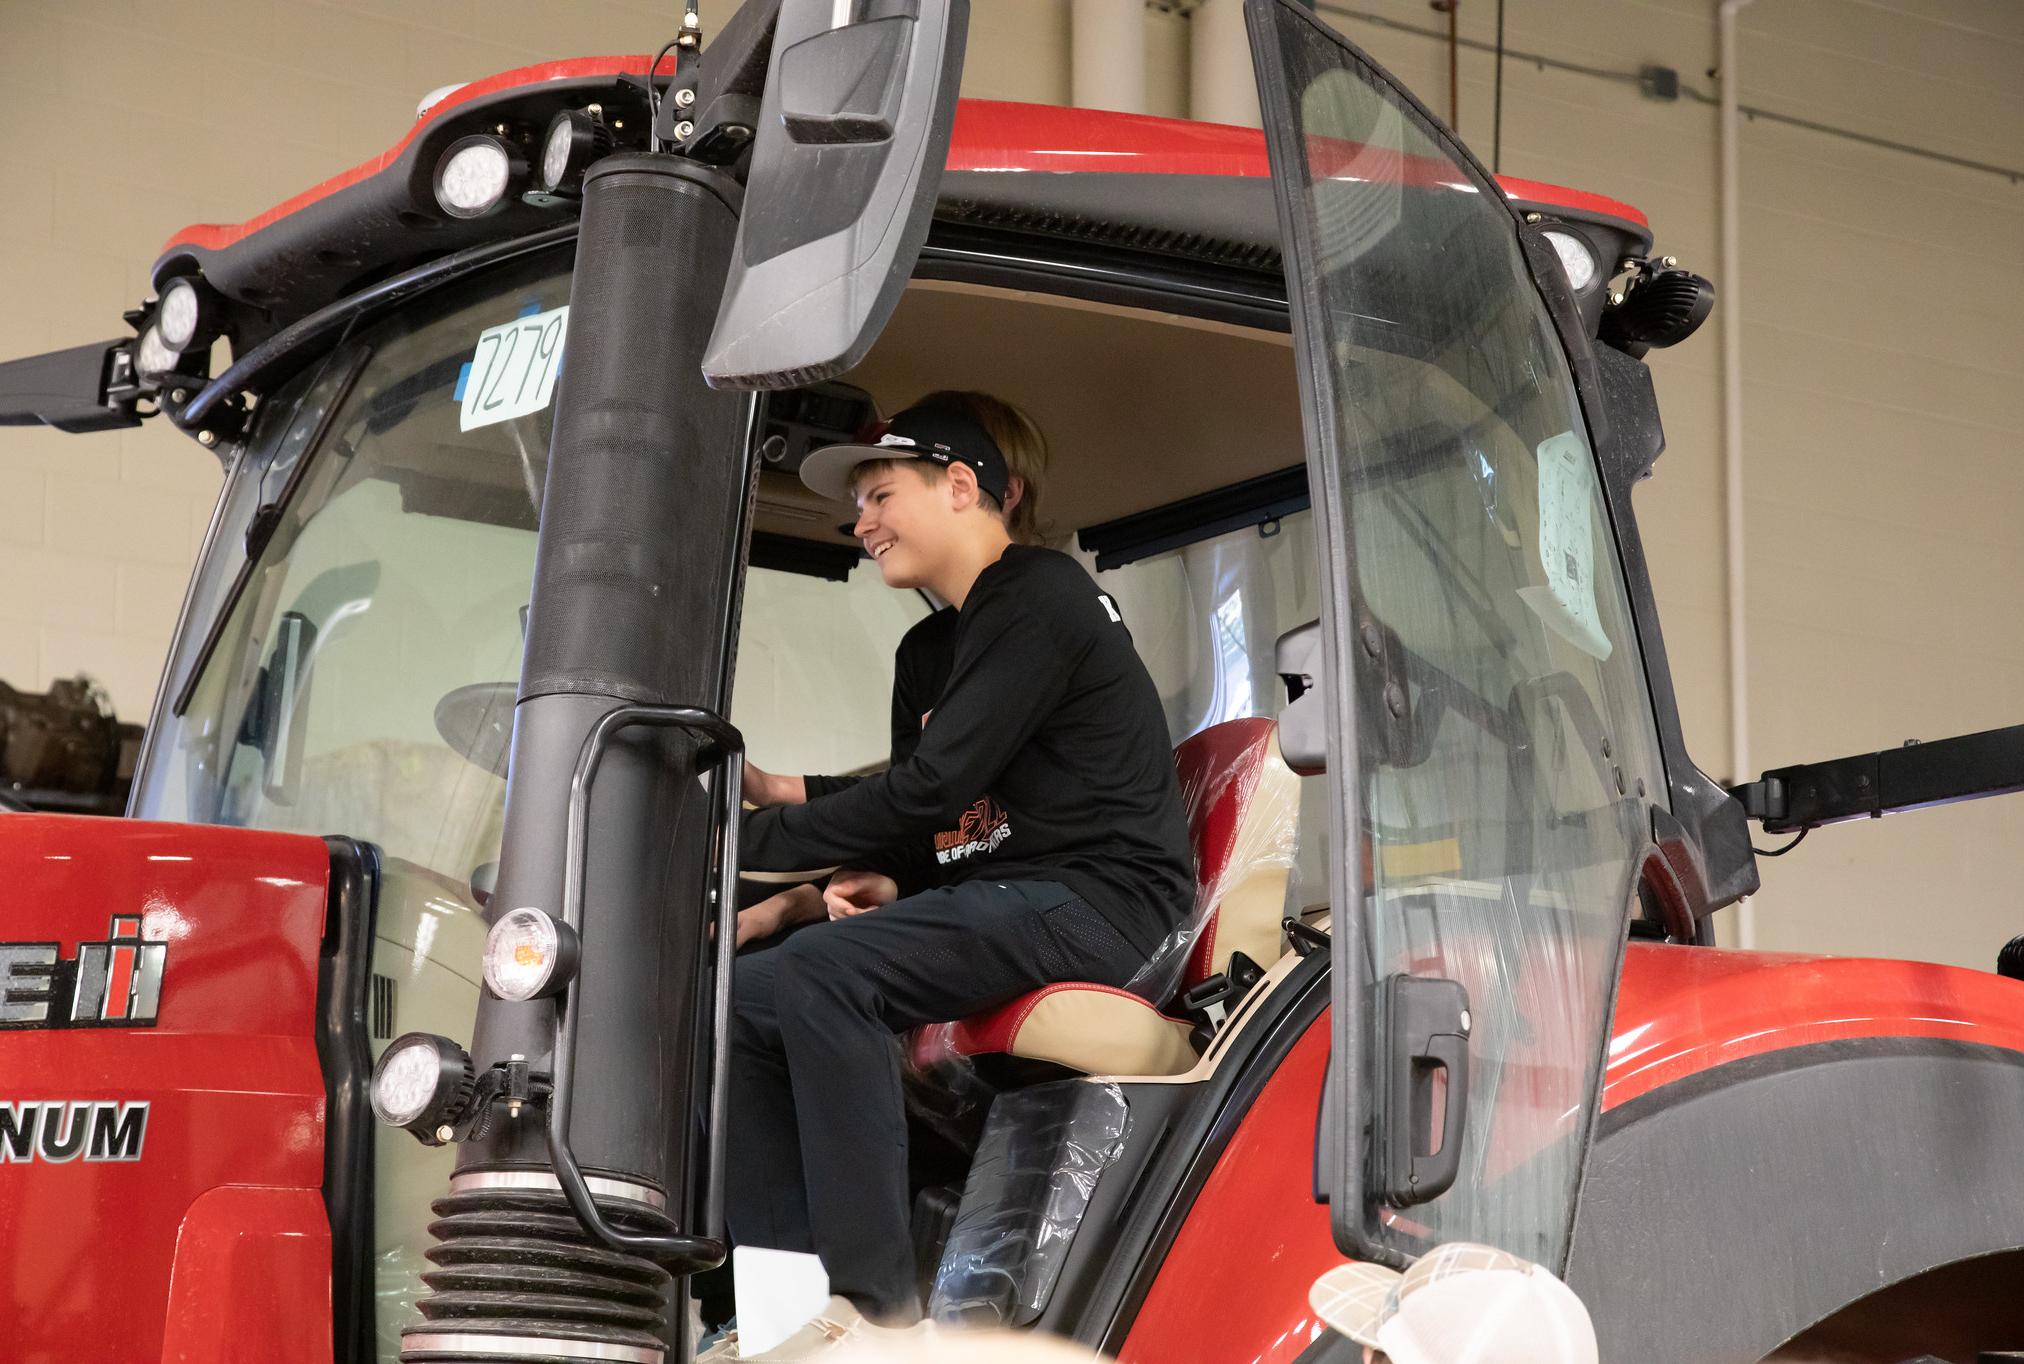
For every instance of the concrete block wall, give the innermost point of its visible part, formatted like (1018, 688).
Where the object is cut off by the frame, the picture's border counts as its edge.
(1883, 355)
(1881, 293)
(1883, 406)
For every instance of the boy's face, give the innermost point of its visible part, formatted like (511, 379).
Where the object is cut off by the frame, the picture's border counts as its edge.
(905, 523)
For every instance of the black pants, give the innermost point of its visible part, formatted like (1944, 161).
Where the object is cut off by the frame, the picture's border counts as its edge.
(818, 1134)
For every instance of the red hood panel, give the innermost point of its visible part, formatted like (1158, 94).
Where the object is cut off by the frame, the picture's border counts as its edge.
(228, 1071)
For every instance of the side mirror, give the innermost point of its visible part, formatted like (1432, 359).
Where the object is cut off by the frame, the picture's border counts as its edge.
(279, 706)
(846, 164)
(1400, 703)
(273, 722)
(1303, 725)
(85, 388)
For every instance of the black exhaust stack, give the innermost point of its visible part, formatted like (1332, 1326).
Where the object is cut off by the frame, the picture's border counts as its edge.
(636, 596)
(577, 1182)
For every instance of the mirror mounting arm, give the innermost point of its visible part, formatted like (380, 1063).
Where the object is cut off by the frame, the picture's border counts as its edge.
(1872, 785)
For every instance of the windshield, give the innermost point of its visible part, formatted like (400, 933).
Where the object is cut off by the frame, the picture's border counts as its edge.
(362, 678)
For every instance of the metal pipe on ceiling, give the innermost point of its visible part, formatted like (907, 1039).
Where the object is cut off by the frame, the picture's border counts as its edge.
(1729, 66)
(1107, 55)
(1222, 88)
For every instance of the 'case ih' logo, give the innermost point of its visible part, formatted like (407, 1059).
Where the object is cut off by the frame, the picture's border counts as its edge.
(111, 984)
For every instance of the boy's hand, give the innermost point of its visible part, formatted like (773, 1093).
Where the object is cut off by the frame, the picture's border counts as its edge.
(795, 905)
(764, 788)
(855, 892)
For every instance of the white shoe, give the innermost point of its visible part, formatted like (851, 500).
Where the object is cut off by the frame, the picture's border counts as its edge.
(837, 1325)
(723, 1350)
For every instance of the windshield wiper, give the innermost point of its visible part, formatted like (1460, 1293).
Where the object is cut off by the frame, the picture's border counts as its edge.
(265, 521)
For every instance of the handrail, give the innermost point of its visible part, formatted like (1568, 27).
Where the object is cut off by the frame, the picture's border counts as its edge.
(682, 1253)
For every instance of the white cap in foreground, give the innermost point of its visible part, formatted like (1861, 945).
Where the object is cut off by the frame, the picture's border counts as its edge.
(1458, 1304)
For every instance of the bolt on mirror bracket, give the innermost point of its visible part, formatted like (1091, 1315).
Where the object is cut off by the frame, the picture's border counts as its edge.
(1401, 698)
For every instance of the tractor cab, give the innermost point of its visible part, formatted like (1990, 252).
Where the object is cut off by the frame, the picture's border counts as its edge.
(365, 615)
(511, 566)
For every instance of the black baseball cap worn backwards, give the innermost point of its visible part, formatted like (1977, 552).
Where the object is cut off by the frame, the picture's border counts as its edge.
(939, 434)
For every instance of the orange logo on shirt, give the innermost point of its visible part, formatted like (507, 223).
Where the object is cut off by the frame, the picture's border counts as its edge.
(983, 827)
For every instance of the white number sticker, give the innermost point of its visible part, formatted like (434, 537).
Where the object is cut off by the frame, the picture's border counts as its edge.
(513, 369)
(1567, 545)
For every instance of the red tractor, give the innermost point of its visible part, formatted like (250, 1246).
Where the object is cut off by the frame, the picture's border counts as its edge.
(436, 811)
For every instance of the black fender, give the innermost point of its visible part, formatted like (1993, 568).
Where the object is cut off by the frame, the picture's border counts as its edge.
(1727, 1212)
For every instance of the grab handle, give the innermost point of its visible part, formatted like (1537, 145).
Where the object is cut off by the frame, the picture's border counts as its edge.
(683, 1254)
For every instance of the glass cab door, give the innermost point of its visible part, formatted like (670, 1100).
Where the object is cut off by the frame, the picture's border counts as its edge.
(1491, 744)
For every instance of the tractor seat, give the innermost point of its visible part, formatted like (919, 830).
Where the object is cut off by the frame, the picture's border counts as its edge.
(1243, 810)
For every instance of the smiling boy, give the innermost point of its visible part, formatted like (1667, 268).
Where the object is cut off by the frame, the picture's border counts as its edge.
(1042, 806)
(920, 667)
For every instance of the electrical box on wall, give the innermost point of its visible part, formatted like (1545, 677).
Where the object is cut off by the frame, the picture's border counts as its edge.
(1659, 82)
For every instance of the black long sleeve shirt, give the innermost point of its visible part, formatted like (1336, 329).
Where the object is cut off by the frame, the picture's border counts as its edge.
(1045, 758)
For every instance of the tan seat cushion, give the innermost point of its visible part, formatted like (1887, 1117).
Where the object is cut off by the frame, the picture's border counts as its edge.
(1091, 1028)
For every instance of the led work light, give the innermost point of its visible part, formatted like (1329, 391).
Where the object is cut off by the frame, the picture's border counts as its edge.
(177, 314)
(574, 140)
(422, 1083)
(528, 955)
(1662, 307)
(189, 314)
(1575, 258)
(475, 174)
(154, 357)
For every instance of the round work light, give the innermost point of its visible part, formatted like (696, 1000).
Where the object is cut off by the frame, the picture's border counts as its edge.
(1662, 309)
(529, 954)
(574, 140)
(1575, 258)
(154, 357)
(422, 1083)
(475, 174)
(178, 314)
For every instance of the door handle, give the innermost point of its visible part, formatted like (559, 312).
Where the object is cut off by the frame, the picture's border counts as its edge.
(1427, 1038)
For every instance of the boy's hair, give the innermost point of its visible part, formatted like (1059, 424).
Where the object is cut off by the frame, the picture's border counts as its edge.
(1016, 437)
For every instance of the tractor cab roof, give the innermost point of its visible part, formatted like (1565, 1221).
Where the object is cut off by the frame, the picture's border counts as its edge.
(1195, 391)
(1168, 186)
